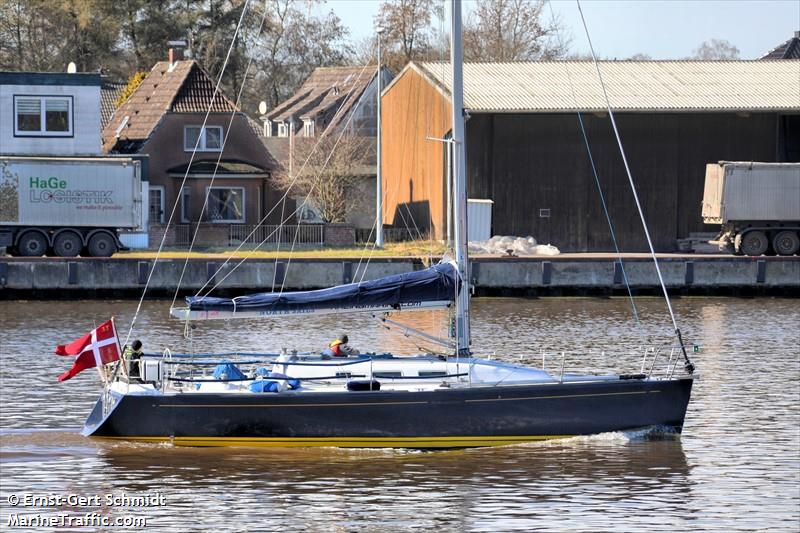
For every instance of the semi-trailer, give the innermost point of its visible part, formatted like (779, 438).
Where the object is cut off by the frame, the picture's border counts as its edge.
(66, 206)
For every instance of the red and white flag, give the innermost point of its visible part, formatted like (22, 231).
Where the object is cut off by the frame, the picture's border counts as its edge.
(95, 349)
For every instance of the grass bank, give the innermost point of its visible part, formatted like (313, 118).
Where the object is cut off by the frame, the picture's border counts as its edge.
(395, 249)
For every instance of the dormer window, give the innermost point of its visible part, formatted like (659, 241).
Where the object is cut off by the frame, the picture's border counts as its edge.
(308, 128)
(207, 139)
(43, 116)
(267, 128)
(283, 131)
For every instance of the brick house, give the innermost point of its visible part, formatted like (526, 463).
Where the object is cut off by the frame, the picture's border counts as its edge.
(332, 98)
(164, 118)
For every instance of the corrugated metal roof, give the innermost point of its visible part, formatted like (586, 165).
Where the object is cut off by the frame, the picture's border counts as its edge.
(548, 86)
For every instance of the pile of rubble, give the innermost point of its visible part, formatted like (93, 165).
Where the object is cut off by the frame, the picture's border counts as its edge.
(507, 245)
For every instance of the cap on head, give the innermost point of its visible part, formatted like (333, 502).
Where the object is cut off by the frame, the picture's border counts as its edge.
(344, 339)
(137, 345)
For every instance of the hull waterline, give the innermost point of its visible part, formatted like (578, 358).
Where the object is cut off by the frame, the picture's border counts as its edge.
(446, 418)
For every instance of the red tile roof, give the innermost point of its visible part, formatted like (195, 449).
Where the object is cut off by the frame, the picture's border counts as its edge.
(109, 92)
(326, 90)
(183, 88)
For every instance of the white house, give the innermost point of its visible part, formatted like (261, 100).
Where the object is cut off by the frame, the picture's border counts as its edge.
(54, 114)
(50, 114)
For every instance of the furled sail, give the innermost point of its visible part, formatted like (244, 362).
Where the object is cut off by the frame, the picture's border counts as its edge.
(433, 287)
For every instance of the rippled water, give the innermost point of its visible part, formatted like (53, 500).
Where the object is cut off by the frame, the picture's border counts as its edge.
(736, 467)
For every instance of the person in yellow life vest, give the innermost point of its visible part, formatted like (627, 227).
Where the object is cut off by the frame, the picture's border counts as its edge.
(339, 348)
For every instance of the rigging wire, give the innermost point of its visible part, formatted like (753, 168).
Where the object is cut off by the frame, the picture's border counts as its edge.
(216, 167)
(341, 134)
(594, 170)
(185, 176)
(372, 251)
(278, 248)
(374, 227)
(688, 364)
(264, 218)
(296, 210)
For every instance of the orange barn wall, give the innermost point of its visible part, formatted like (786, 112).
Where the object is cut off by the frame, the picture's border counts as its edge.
(413, 165)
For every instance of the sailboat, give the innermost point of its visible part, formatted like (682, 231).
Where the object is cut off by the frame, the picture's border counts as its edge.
(380, 400)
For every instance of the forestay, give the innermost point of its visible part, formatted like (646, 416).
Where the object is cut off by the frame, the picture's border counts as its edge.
(433, 287)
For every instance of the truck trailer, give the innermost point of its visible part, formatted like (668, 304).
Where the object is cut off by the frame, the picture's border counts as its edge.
(66, 206)
(756, 204)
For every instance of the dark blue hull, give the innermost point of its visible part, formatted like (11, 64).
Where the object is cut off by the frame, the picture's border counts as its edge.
(478, 416)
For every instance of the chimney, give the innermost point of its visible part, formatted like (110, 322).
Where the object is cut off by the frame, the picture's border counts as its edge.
(176, 49)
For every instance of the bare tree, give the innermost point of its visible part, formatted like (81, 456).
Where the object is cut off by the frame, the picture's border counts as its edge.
(512, 30)
(640, 57)
(716, 49)
(409, 34)
(40, 35)
(126, 36)
(292, 43)
(327, 172)
(364, 51)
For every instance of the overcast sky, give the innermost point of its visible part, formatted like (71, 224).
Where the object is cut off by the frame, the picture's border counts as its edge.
(669, 29)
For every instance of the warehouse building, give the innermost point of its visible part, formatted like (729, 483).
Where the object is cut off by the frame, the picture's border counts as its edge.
(527, 154)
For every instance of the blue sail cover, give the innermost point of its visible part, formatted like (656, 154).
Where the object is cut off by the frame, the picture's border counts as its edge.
(434, 284)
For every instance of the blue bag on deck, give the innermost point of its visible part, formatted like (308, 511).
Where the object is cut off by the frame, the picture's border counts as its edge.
(229, 370)
(292, 383)
(263, 385)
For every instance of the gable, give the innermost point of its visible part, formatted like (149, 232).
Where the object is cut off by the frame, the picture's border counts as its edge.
(183, 87)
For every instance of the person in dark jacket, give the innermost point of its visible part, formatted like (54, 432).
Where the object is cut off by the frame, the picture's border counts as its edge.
(132, 356)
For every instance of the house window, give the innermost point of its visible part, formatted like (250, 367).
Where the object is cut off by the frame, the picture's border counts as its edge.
(283, 131)
(43, 116)
(308, 128)
(185, 197)
(207, 139)
(156, 205)
(225, 204)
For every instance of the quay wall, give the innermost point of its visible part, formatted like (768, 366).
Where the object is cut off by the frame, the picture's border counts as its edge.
(568, 274)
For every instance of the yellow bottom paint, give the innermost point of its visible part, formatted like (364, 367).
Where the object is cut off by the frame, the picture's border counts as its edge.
(347, 442)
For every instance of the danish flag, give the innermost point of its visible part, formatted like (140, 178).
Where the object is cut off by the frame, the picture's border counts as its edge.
(95, 349)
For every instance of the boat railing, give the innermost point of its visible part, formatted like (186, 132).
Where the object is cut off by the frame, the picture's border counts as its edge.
(653, 360)
(179, 369)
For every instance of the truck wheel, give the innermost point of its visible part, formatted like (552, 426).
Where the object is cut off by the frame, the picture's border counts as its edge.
(754, 243)
(67, 244)
(786, 243)
(101, 245)
(32, 244)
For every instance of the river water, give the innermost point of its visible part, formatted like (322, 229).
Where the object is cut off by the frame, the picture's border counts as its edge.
(736, 467)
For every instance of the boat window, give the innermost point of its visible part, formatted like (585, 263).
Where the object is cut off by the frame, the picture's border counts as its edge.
(387, 374)
(344, 375)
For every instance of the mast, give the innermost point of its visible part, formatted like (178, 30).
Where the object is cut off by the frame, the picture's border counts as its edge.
(459, 180)
(379, 176)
